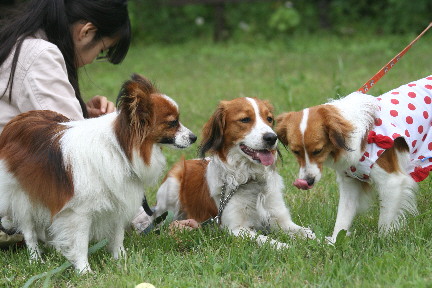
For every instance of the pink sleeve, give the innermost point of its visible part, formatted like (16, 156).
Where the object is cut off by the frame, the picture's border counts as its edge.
(46, 86)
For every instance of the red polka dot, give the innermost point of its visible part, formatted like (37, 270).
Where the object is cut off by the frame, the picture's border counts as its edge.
(353, 169)
(428, 87)
(412, 84)
(411, 106)
(395, 93)
(413, 144)
(396, 135)
(428, 100)
(415, 151)
(420, 157)
(380, 152)
(409, 120)
(378, 122)
(424, 137)
(365, 176)
(425, 114)
(379, 99)
(362, 158)
(393, 113)
(430, 146)
(407, 133)
(392, 124)
(394, 101)
(429, 78)
(420, 129)
(412, 94)
(366, 154)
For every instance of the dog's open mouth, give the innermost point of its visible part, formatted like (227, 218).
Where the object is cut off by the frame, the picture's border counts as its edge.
(265, 157)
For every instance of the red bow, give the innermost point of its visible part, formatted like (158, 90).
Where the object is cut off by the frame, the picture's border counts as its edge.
(420, 173)
(382, 141)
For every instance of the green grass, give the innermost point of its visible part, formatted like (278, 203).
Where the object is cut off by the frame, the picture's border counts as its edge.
(300, 72)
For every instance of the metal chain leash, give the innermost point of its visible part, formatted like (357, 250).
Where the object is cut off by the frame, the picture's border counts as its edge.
(222, 204)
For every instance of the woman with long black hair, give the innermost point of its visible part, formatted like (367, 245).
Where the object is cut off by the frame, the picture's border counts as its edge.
(42, 46)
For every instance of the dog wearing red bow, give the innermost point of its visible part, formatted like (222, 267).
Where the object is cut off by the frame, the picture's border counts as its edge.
(381, 144)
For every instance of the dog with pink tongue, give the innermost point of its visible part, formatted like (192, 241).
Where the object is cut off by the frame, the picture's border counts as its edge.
(235, 183)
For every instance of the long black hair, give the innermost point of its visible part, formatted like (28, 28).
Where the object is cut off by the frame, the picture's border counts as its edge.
(55, 18)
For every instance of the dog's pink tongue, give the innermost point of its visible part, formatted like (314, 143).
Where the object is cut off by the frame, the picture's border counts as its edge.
(266, 157)
(301, 184)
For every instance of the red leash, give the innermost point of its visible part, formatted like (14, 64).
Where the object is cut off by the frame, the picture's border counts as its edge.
(368, 85)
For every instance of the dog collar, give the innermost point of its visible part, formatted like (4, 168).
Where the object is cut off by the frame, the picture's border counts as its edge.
(222, 204)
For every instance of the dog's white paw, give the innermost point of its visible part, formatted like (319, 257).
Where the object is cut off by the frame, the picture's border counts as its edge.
(278, 245)
(119, 253)
(303, 232)
(35, 256)
(85, 269)
(308, 233)
(340, 237)
(330, 240)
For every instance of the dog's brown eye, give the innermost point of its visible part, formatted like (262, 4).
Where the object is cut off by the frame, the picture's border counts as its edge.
(316, 152)
(173, 123)
(270, 119)
(296, 152)
(245, 120)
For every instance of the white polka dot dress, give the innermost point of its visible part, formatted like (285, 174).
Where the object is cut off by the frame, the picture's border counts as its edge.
(403, 112)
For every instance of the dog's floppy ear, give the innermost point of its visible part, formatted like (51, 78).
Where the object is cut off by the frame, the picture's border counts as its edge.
(135, 105)
(213, 132)
(337, 127)
(281, 127)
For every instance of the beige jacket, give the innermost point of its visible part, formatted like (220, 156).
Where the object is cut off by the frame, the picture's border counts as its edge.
(40, 83)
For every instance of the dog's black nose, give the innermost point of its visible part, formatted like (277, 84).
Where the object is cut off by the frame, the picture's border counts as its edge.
(310, 181)
(192, 138)
(270, 138)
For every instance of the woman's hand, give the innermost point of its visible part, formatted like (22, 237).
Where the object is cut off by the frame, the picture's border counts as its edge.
(179, 225)
(99, 105)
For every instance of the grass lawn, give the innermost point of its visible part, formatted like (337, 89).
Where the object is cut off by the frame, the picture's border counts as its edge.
(293, 74)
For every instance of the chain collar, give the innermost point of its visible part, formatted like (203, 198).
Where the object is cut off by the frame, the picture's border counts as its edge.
(222, 204)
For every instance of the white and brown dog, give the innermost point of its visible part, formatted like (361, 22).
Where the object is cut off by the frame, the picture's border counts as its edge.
(384, 143)
(240, 170)
(68, 182)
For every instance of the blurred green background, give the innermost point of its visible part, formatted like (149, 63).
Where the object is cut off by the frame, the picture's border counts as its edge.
(161, 21)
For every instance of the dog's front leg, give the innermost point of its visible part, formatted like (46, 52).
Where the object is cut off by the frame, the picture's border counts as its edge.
(31, 240)
(261, 239)
(115, 245)
(71, 231)
(350, 191)
(282, 216)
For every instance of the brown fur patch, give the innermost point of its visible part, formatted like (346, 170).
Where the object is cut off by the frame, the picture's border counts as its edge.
(30, 146)
(195, 197)
(388, 159)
